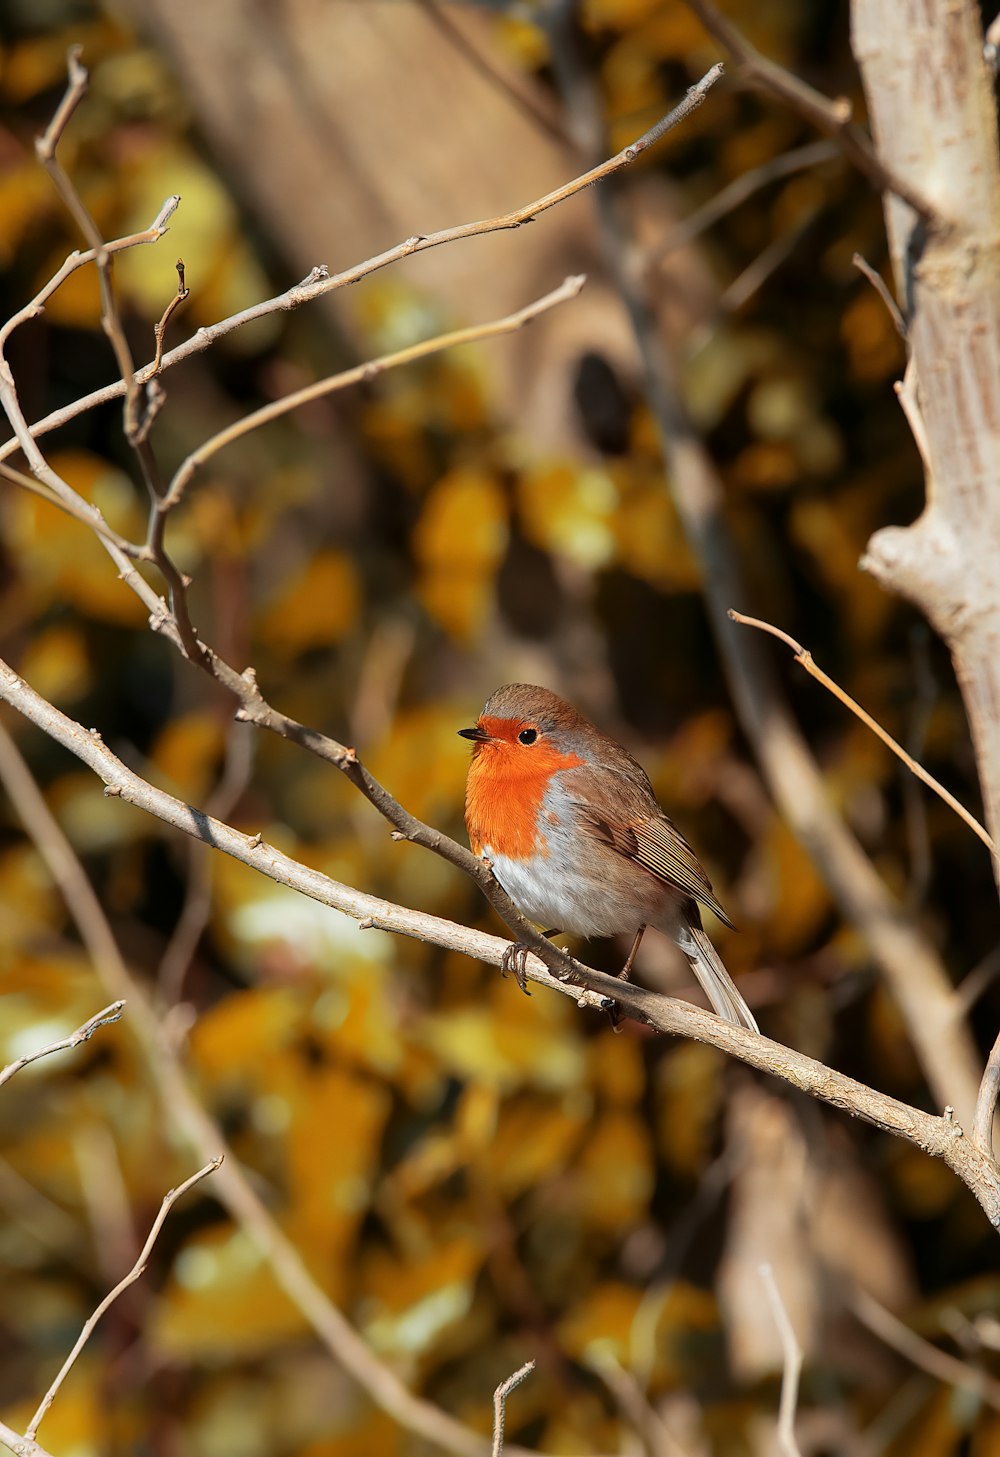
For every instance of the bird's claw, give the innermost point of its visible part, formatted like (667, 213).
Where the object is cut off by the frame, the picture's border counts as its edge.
(514, 963)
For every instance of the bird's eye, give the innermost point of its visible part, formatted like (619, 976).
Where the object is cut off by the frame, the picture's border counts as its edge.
(527, 736)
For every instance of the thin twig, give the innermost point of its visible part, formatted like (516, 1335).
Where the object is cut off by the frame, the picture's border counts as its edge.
(905, 390)
(82, 1034)
(921, 1353)
(500, 1403)
(986, 1104)
(73, 261)
(833, 118)
(803, 656)
(768, 261)
(197, 906)
(792, 1366)
(880, 286)
(46, 149)
(737, 192)
(568, 289)
(72, 505)
(636, 1408)
(159, 329)
(319, 281)
(136, 1271)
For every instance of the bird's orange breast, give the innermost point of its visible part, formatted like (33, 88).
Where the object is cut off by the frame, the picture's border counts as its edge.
(504, 793)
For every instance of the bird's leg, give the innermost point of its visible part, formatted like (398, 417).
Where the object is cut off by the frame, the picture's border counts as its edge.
(515, 960)
(614, 1016)
(626, 970)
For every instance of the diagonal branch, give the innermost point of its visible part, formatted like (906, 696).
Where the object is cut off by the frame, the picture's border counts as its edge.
(82, 1034)
(941, 1137)
(805, 658)
(169, 1200)
(832, 118)
(184, 1113)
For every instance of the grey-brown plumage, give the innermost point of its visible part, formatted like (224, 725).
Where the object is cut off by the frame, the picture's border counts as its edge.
(577, 838)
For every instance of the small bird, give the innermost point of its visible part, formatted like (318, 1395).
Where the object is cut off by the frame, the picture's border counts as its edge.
(572, 829)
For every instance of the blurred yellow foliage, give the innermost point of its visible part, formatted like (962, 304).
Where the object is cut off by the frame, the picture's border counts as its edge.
(603, 1318)
(221, 1302)
(68, 562)
(535, 1139)
(25, 192)
(57, 664)
(689, 1087)
(315, 608)
(616, 1171)
(459, 541)
(410, 1300)
(336, 1120)
(570, 511)
(188, 751)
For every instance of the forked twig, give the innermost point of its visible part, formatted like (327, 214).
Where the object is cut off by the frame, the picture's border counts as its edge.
(136, 1271)
(19, 1445)
(82, 1034)
(805, 657)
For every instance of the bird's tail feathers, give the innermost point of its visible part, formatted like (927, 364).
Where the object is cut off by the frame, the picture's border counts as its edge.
(710, 971)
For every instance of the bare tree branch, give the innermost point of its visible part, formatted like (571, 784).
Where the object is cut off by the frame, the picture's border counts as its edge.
(743, 187)
(189, 1119)
(941, 1137)
(169, 1200)
(805, 657)
(945, 562)
(82, 1034)
(371, 369)
(986, 1104)
(19, 1445)
(833, 118)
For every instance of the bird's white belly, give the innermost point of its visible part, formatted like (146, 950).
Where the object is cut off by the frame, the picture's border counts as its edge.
(560, 898)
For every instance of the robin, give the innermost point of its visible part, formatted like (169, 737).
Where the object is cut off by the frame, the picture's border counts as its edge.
(572, 829)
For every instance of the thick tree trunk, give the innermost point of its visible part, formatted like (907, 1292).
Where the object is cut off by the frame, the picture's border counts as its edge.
(933, 115)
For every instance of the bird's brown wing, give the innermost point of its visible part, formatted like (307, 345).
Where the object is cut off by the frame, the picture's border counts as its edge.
(664, 851)
(623, 813)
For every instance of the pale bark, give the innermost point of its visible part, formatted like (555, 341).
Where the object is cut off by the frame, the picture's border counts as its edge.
(933, 115)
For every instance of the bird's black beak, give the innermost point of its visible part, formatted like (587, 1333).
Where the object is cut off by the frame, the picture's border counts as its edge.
(477, 735)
